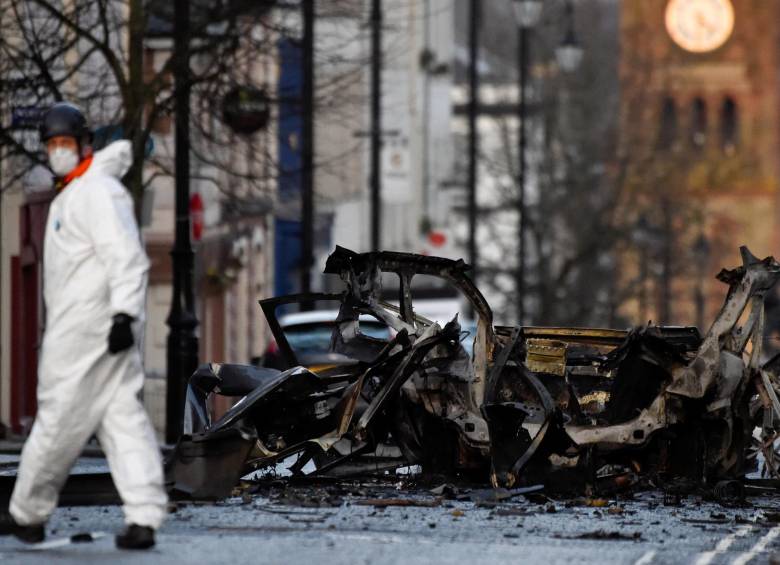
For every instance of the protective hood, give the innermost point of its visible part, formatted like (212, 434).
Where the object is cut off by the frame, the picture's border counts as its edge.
(113, 160)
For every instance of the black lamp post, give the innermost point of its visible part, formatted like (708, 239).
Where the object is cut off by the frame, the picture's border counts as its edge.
(376, 125)
(473, 139)
(527, 14)
(182, 341)
(569, 54)
(307, 149)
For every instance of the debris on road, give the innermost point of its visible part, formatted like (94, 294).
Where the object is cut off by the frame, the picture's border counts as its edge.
(447, 490)
(79, 538)
(579, 410)
(605, 535)
(385, 502)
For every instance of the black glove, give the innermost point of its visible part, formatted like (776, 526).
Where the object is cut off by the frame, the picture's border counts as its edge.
(121, 335)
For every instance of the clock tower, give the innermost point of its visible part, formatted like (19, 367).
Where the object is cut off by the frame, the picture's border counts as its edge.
(699, 147)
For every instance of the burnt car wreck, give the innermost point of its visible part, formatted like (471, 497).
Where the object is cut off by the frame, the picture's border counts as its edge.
(571, 408)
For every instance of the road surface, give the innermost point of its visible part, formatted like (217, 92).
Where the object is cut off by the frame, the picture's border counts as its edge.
(341, 524)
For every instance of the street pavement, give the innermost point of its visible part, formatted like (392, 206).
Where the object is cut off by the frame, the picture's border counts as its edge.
(277, 526)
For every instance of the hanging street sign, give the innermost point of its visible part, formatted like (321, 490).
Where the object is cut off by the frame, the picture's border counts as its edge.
(26, 117)
(246, 109)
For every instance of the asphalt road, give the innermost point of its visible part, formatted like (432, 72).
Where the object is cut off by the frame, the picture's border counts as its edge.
(318, 527)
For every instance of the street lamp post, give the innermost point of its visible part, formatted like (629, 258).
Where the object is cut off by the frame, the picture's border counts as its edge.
(307, 150)
(473, 140)
(182, 341)
(376, 125)
(569, 54)
(527, 13)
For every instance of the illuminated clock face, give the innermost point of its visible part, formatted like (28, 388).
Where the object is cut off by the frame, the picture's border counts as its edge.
(699, 25)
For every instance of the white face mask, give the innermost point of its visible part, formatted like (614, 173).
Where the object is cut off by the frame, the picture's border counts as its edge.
(63, 161)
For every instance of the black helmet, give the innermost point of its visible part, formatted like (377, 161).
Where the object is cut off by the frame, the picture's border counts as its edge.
(64, 119)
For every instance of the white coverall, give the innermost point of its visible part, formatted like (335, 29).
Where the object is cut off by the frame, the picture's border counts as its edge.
(94, 268)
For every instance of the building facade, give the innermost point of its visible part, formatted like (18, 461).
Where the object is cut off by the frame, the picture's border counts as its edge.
(232, 186)
(699, 147)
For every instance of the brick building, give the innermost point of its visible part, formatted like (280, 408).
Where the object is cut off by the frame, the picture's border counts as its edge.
(699, 147)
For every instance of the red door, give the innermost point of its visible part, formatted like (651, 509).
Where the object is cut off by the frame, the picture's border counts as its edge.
(27, 312)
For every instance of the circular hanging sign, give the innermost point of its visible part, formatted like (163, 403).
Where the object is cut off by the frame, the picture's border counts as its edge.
(246, 109)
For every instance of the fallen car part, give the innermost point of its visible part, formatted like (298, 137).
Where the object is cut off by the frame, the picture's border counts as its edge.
(386, 502)
(81, 489)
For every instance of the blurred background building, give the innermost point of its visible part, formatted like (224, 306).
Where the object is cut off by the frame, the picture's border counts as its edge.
(699, 156)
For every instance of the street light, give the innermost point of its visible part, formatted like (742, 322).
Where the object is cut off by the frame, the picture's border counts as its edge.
(569, 52)
(527, 13)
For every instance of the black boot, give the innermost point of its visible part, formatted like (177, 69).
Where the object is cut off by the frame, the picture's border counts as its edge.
(135, 537)
(28, 534)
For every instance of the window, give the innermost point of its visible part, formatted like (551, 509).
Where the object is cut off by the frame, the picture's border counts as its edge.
(728, 125)
(668, 132)
(437, 299)
(698, 123)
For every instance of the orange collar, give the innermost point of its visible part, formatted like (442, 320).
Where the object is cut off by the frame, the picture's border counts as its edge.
(80, 169)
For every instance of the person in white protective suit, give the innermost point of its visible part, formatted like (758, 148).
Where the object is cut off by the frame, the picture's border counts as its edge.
(90, 372)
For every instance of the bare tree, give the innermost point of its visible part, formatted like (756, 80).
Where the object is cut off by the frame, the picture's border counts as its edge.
(573, 225)
(92, 52)
(617, 192)
(114, 59)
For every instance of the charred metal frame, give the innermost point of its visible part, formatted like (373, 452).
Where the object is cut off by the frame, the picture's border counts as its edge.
(528, 401)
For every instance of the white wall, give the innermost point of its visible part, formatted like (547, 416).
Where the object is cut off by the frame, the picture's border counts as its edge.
(416, 113)
(10, 202)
